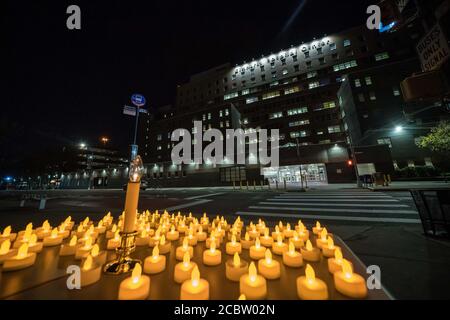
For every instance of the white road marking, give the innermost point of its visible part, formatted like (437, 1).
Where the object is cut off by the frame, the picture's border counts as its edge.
(321, 217)
(190, 204)
(337, 204)
(331, 200)
(205, 196)
(335, 210)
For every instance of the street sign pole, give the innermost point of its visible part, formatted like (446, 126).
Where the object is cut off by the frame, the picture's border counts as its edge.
(139, 101)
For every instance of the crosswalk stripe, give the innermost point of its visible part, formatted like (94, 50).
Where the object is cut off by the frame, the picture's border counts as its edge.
(332, 197)
(375, 205)
(321, 217)
(331, 200)
(335, 210)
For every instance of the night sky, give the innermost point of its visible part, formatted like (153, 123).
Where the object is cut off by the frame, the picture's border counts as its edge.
(64, 87)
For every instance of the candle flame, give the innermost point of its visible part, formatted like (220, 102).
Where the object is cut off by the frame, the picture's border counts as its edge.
(116, 235)
(330, 243)
(247, 237)
(291, 247)
(27, 235)
(100, 224)
(172, 229)
(80, 228)
(268, 256)
(143, 233)
(33, 240)
(252, 273)
(29, 227)
(288, 227)
(185, 243)
(88, 242)
(236, 260)
(242, 297)
(73, 241)
(86, 221)
(318, 225)
(257, 243)
(186, 259)
(277, 229)
(212, 245)
(280, 224)
(114, 228)
(162, 241)
(136, 274)
(338, 254)
(233, 239)
(195, 276)
(347, 268)
(310, 274)
(6, 231)
(54, 233)
(323, 234)
(95, 250)
(279, 240)
(23, 251)
(295, 235)
(5, 246)
(309, 246)
(266, 232)
(46, 225)
(155, 252)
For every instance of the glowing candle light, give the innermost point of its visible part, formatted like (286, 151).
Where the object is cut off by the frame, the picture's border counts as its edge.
(298, 243)
(247, 242)
(309, 253)
(212, 257)
(28, 229)
(192, 239)
(90, 272)
(335, 264)
(329, 249)
(24, 238)
(136, 287)
(253, 232)
(322, 240)
(7, 234)
(110, 233)
(269, 268)
(23, 259)
(63, 230)
(132, 196)
(173, 234)
(349, 283)
(201, 235)
(180, 251)
(98, 256)
(257, 251)
(114, 243)
(279, 247)
(266, 240)
(143, 238)
(317, 229)
(277, 233)
(292, 258)
(155, 263)
(54, 239)
(84, 250)
(69, 249)
(5, 251)
(163, 245)
(184, 269)
(235, 268)
(211, 239)
(195, 288)
(34, 245)
(288, 232)
(44, 231)
(101, 228)
(311, 288)
(155, 239)
(232, 247)
(252, 285)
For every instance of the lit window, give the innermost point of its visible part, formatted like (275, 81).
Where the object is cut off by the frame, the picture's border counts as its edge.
(329, 105)
(227, 112)
(368, 81)
(299, 123)
(230, 96)
(333, 46)
(396, 91)
(313, 85)
(220, 113)
(209, 116)
(285, 71)
(227, 124)
(245, 121)
(372, 96)
(276, 115)
(299, 134)
(357, 83)
(270, 95)
(347, 43)
(158, 148)
(387, 141)
(159, 137)
(381, 56)
(273, 84)
(344, 66)
(221, 124)
(251, 100)
(244, 92)
(291, 90)
(295, 111)
(334, 129)
(311, 74)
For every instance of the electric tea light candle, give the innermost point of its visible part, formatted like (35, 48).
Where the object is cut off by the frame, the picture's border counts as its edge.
(212, 257)
(309, 253)
(323, 239)
(136, 287)
(90, 272)
(303, 233)
(269, 268)
(23, 259)
(99, 257)
(114, 243)
(292, 258)
(84, 250)
(279, 247)
(155, 263)
(7, 235)
(335, 264)
(298, 243)
(257, 251)
(235, 268)
(163, 245)
(247, 242)
(329, 249)
(54, 239)
(195, 288)
(252, 285)
(69, 249)
(173, 235)
(233, 246)
(348, 283)
(311, 288)
(180, 251)
(34, 245)
(317, 229)
(143, 238)
(5, 251)
(184, 269)
(201, 235)
(266, 240)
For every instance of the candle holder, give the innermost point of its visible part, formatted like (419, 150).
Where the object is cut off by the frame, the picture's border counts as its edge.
(124, 263)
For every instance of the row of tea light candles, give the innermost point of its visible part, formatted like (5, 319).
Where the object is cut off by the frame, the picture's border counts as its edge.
(157, 231)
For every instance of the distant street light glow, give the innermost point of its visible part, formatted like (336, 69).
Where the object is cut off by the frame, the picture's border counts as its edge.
(398, 129)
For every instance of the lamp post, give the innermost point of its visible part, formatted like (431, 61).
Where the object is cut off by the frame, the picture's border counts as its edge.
(124, 263)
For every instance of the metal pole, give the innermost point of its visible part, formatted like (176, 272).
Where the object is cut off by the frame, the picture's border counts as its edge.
(355, 162)
(136, 125)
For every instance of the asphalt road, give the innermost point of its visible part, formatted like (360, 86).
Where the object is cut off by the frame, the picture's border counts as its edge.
(381, 228)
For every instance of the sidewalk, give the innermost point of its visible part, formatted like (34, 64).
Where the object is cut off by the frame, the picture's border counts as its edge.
(408, 185)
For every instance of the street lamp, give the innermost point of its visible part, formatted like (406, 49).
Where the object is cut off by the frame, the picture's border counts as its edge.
(105, 140)
(398, 129)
